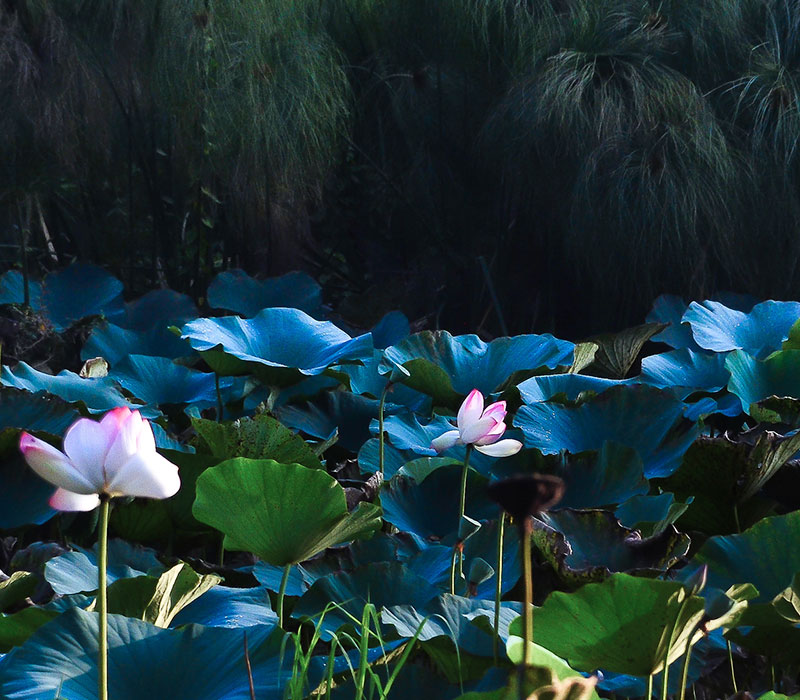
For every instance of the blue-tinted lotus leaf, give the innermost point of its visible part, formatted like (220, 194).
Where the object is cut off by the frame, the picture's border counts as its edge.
(202, 663)
(651, 514)
(341, 411)
(433, 562)
(448, 367)
(278, 345)
(605, 477)
(369, 458)
(270, 576)
(590, 545)
(618, 625)
(411, 437)
(759, 332)
(12, 289)
(114, 343)
(685, 372)
(430, 510)
(223, 606)
(284, 513)
(259, 437)
(79, 291)
(455, 618)
(723, 403)
(765, 555)
(159, 308)
(76, 572)
(724, 478)
(570, 386)
(753, 380)
(97, 395)
(158, 380)
(383, 584)
(647, 419)
(23, 495)
(669, 309)
(19, 408)
(167, 441)
(390, 330)
(367, 379)
(236, 291)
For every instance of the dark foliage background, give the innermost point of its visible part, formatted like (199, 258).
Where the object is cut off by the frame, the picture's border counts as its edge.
(575, 157)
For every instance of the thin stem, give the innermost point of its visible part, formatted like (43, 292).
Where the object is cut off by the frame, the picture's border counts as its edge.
(649, 687)
(463, 503)
(282, 593)
(219, 398)
(453, 570)
(102, 602)
(498, 586)
(525, 528)
(685, 674)
(381, 437)
(249, 668)
(733, 673)
(665, 684)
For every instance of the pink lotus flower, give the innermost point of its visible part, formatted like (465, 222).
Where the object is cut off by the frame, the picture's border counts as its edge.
(479, 427)
(116, 457)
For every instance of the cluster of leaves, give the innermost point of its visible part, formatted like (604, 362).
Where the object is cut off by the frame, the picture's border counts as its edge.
(311, 498)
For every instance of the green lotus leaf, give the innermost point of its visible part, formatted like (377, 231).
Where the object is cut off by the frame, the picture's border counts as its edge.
(622, 625)
(284, 513)
(618, 351)
(16, 628)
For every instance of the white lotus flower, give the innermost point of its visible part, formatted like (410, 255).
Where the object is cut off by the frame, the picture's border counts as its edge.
(116, 457)
(479, 427)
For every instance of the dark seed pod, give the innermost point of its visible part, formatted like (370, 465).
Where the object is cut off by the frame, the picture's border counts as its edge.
(524, 495)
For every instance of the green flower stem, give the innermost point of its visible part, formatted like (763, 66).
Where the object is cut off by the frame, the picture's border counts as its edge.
(733, 673)
(462, 506)
(498, 586)
(686, 659)
(670, 640)
(282, 593)
(381, 437)
(102, 602)
(453, 570)
(525, 530)
(649, 687)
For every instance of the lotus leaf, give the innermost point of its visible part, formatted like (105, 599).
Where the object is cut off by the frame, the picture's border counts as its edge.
(79, 291)
(114, 343)
(236, 291)
(12, 289)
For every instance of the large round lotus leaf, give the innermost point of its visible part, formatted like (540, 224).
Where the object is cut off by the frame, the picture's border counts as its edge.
(159, 307)
(369, 458)
(647, 419)
(617, 352)
(608, 476)
(568, 386)
(284, 513)
(98, 395)
(114, 343)
(448, 367)
(76, 572)
(650, 514)
(589, 545)
(19, 408)
(382, 584)
(236, 291)
(278, 345)
(685, 372)
(430, 510)
(622, 624)
(753, 380)
(12, 289)
(759, 332)
(223, 606)
(368, 380)
(765, 555)
(202, 663)
(79, 291)
(390, 330)
(669, 309)
(23, 495)
(158, 380)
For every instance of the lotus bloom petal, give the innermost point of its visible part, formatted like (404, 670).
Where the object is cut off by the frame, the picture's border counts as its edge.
(53, 465)
(67, 500)
(502, 448)
(497, 410)
(115, 457)
(445, 441)
(493, 435)
(479, 429)
(145, 474)
(471, 410)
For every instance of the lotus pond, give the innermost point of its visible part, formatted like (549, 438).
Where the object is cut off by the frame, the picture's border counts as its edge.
(320, 547)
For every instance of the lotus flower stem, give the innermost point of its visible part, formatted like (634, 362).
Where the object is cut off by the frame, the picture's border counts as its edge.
(685, 674)
(649, 687)
(453, 570)
(219, 398)
(525, 530)
(102, 602)
(498, 586)
(282, 593)
(381, 438)
(670, 640)
(733, 673)
(457, 559)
